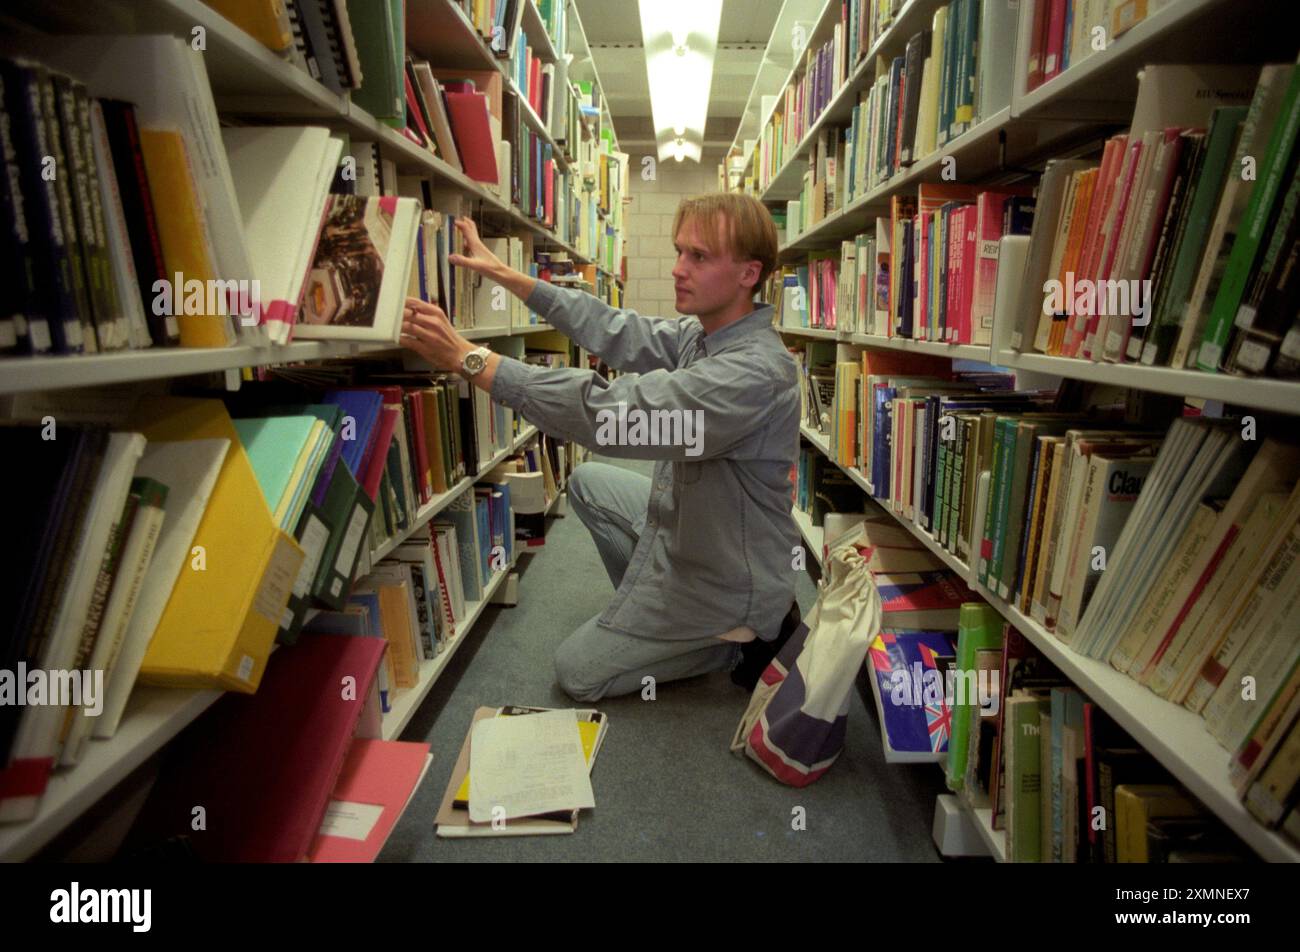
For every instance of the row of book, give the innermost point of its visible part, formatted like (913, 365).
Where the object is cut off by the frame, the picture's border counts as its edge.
(1178, 247)
(1066, 32)
(1168, 555)
(927, 272)
(954, 684)
(174, 545)
(949, 78)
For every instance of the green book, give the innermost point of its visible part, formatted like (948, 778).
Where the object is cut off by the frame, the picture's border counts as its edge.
(1245, 249)
(379, 32)
(978, 626)
(1024, 776)
(1225, 127)
(942, 463)
(1004, 446)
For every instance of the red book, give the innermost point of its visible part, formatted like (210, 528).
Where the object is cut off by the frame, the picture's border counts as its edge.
(377, 455)
(1055, 48)
(535, 83)
(415, 407)
(969, 243)
(413, 113)
(1038, 44)
(380, 774)
(468, 112)
(263, 765)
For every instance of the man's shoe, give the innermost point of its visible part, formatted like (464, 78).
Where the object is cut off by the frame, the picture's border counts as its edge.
(756, 655)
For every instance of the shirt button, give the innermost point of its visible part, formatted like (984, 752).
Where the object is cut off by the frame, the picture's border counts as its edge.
(663, 482)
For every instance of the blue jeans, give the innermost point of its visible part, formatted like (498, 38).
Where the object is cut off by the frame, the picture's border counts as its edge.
(596, 662)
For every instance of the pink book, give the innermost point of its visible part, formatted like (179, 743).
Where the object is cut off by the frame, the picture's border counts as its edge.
(988, 232)
(969, 240)
(378, 775)
(1111, 162)
(921, 321)
(1114, 226)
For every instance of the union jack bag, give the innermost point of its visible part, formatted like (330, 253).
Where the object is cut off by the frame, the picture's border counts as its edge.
(794, 725)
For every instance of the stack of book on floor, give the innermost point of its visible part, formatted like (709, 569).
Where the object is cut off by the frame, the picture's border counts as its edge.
(502, 767)
(1159, 253)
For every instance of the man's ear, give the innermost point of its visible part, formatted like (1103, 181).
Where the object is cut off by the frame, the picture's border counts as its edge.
(753, 269)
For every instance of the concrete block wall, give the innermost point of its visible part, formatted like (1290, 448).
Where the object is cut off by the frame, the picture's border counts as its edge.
(648, 226)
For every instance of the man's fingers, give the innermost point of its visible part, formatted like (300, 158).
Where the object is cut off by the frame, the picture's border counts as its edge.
(425, 310)
(419, 333)
(425, 322)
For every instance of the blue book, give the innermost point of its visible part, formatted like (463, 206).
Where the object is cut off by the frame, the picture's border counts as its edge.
(362, 407)
(910, 668)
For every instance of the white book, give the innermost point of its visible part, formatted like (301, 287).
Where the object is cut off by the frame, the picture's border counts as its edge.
(37, 738)
(1228, 589)
(1113, 487)
(1262, 589)
(1183, 441)
(448, 552)
(137, 554)
(996, 57)
(189, 470)
(282, 178)
(1268, 653)
(1218, 464)
(382, 230)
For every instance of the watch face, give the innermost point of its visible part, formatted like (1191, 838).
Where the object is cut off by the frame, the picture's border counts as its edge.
(474, 362)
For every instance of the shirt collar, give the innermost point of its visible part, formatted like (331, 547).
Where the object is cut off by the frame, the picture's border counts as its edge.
(760, 317)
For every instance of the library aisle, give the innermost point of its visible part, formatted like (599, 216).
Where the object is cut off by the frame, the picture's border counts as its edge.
(667, 788)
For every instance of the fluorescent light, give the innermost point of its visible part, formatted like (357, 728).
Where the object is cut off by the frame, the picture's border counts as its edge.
(681, 40)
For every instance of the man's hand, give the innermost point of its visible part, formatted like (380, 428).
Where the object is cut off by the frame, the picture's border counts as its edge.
(479, 258)
(427, 332)
(482, 261)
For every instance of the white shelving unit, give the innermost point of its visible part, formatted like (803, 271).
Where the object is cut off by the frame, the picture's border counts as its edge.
(1173, 735)
(248, 80)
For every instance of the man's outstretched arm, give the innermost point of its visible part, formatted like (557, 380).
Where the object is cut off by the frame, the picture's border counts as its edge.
(705, 410)
(622, 338)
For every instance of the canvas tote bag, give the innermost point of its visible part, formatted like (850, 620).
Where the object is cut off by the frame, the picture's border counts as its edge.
(794, 725)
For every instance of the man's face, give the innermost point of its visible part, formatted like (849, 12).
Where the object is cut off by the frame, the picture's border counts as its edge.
(706, 282)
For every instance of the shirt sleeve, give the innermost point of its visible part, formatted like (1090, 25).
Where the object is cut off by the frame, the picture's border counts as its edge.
(623, 339)
(698, 412)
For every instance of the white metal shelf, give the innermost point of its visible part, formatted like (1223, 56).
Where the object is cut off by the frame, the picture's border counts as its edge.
(818, 332)
(1262, 393)
(938, 348)
(813, 536)
(977, 152)
(62, 371)
(1173, 735)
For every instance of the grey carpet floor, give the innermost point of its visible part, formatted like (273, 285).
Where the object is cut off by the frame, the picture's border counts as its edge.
(667, 786)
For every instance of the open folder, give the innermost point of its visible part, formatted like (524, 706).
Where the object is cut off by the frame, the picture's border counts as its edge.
(453, 815)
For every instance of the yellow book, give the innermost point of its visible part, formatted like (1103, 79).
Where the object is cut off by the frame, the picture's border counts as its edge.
(266, 21)
(1135, 804)
(393, 605)
(302, 470)
(225, 608)
(182, 233)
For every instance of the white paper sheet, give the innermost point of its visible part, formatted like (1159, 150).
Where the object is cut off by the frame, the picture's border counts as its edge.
(527, 764)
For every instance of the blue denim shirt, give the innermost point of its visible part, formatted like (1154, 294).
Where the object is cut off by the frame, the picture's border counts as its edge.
(718, 547)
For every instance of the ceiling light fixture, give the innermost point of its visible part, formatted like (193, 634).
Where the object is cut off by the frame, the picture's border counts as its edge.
(680, 38)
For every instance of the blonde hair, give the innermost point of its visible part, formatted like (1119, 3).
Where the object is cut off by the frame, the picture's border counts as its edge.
(750, 230)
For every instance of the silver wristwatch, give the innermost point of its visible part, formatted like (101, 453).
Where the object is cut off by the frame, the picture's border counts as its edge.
(474, 361)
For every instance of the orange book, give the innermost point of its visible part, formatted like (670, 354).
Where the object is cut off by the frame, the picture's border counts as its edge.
(1073, 247)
